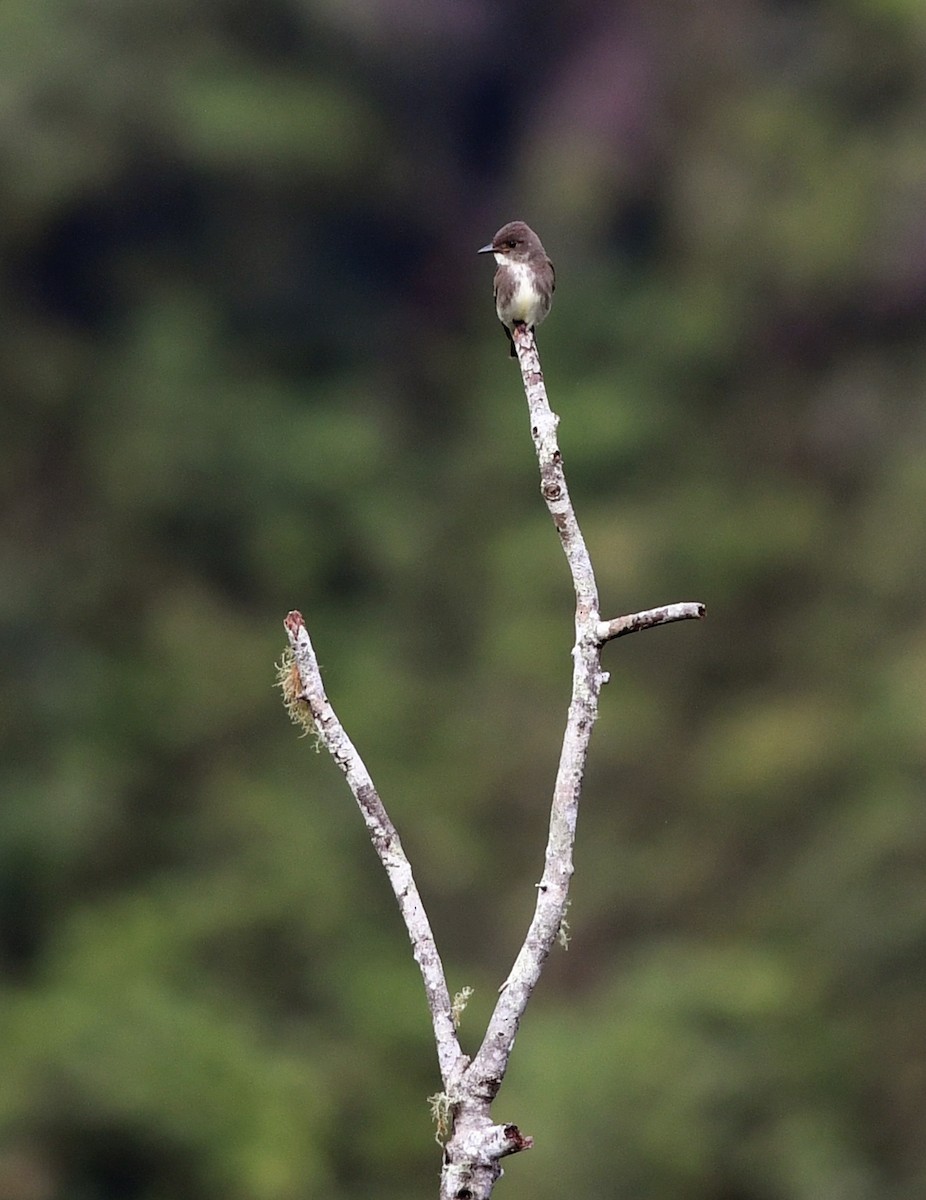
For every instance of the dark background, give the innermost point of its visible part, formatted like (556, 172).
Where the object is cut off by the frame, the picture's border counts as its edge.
(249, 362)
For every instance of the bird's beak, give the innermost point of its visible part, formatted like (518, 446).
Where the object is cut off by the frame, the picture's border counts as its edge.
(486, 249)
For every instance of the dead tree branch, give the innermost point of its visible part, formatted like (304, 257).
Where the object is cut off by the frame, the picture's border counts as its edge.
(386, 843)
(475, 1144)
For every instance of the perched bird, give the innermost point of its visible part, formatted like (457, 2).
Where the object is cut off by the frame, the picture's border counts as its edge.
(525, 278)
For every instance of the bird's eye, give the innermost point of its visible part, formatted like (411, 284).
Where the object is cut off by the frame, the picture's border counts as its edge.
(512, 242)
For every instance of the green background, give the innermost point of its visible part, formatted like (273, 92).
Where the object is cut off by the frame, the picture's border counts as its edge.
(249, 362)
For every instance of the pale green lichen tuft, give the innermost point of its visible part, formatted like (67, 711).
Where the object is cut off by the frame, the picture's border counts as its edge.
(460, 1001)
(442, 1116)
(294, 701)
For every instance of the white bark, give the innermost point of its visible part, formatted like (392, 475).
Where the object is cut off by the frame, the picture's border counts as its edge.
(472, 1153)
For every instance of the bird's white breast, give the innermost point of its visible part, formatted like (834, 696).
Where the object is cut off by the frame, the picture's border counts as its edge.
(526, 301)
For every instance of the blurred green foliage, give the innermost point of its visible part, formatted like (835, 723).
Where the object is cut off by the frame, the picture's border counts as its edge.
(248, 362)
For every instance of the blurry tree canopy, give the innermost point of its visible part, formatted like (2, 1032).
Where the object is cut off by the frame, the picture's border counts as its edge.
(249, 362)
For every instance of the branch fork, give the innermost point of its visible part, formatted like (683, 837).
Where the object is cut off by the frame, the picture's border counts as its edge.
(476, 1144)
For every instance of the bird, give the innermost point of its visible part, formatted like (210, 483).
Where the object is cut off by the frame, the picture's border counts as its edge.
(524, 280)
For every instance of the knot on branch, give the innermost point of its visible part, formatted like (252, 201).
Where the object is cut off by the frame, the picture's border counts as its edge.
(471, 1166)
(513, 1140)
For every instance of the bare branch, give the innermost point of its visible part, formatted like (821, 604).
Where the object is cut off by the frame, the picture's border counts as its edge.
(620, 626)
(490, 1063)
(386, 843)
(476, 1144)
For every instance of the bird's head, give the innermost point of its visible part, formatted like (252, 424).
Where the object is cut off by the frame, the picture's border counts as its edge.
(514, 242)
